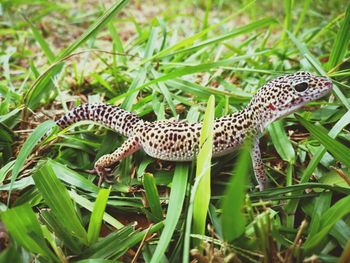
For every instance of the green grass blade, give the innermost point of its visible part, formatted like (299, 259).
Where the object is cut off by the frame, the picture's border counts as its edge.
(336, 129)
(97, 215)
(137, 237)
(187, 70)
(57, 198)
(176, 199)
(166, 93)
(234, 33)
(203, 171)
(97, 260)
(341, 43)
(10, 115)
(82, 201)
(27, 148)
(12, 254)
(327, 221)
(281, 142)
(152, 196)
(42, 42)
(287, 24)
(339, 151)
(321, 205)
(190, 40)
(42, 83)
(302, 16)
(94, 28)
(22, 224)
(206, 16)
(274, 193)
(117, 243)
(132, 91)
(106, 246)
(5, 170)
(233, 219)
(73, 178)
(41, 86)
(117, 43)
(141, 76)
(345, 255)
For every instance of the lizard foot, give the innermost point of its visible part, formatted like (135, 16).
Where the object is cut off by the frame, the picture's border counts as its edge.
(103, 173)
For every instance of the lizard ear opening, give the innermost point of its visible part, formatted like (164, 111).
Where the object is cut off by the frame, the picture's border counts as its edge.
(300, 87)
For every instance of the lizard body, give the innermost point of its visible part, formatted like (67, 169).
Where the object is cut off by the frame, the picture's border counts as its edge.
(179, 141)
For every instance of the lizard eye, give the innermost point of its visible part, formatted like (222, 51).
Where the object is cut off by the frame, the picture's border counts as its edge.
(300, 87)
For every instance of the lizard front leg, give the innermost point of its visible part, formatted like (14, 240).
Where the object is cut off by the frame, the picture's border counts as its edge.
(130, 146)
(258, 165)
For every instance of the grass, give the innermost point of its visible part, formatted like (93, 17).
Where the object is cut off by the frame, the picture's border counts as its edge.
(189, 60)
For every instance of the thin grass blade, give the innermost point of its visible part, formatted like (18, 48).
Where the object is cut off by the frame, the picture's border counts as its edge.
(42, 42)
(234, 33)
(316, 64)
(94, 28)
(190, 40)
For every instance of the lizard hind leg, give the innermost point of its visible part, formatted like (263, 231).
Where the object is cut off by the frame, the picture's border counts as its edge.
(103, 164)
(258, 166)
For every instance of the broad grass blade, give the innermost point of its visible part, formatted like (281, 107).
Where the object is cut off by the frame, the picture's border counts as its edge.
(88, 205)
(97, 215)
(152, 196)
(203, 171)
(233, 219)
(341, 43)
(340, 152)
(23, 225)
(281, 142)
(57, 198)
(327, 221)
(176, 199)
(27, 148)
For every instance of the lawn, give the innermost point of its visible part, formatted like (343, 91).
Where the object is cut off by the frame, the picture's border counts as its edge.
(186, 60)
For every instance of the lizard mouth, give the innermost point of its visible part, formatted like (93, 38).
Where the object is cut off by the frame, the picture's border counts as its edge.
(296, 102)
(328, 85)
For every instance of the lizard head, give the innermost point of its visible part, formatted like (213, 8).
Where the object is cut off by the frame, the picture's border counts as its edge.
(284, 95)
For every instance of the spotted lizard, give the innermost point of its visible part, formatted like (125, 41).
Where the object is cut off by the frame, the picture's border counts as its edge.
(179, 141)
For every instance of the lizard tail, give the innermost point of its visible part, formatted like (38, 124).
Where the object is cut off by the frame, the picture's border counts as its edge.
(111, 116)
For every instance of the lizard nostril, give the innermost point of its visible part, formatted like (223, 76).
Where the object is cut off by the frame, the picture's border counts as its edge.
(329, 84)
